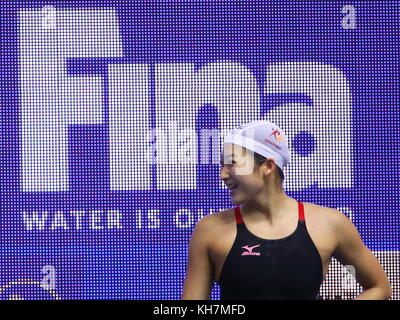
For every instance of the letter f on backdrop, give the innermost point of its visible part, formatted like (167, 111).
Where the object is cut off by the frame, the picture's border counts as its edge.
(50, 99)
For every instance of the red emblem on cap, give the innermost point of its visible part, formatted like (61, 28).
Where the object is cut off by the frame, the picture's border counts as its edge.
(276, 134)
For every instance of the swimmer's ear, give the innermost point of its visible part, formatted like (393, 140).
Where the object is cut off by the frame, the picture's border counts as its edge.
(268, 165)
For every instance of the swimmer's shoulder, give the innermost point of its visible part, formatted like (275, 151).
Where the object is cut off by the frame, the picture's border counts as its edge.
(217, 222)
(326, 218)
(321, 212)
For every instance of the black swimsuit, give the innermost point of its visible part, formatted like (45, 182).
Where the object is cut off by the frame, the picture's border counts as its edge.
(257, 268)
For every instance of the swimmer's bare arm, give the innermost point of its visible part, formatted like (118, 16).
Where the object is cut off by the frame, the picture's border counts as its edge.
(199, 276)
(350, 250)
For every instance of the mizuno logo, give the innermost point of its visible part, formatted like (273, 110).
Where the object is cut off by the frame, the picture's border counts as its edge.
(249, 251)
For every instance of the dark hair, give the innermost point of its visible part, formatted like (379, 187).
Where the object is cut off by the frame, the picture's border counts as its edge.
(279, 176)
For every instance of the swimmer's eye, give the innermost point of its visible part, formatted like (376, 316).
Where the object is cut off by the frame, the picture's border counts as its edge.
(232, 162)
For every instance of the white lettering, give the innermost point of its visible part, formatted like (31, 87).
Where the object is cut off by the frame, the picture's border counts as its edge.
(51, 100)
(129, 124)
(78, 218)
(95, 220)
(183, 218)
(59, 221)
(181, 92)
(154, 220)
(34, 220)
(327, 121)
(114, 219)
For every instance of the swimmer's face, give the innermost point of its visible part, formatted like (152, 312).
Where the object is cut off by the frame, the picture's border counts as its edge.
(239, 172)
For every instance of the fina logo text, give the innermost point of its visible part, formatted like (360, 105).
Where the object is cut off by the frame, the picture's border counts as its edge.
(52, 99)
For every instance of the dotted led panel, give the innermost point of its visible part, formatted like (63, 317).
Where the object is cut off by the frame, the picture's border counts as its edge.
(113, 115)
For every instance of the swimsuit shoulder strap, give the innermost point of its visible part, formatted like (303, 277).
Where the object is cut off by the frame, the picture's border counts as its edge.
(301, 211)
(238, 216)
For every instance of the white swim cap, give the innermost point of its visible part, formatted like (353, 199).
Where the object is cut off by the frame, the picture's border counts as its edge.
(262, 137)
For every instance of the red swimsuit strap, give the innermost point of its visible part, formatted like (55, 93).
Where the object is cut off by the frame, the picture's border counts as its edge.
(301, 211)
(238, 215)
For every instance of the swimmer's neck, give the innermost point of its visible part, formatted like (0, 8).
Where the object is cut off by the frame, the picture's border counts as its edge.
(269, 208)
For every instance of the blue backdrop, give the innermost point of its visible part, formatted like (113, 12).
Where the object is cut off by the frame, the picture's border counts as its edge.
(86, 86)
